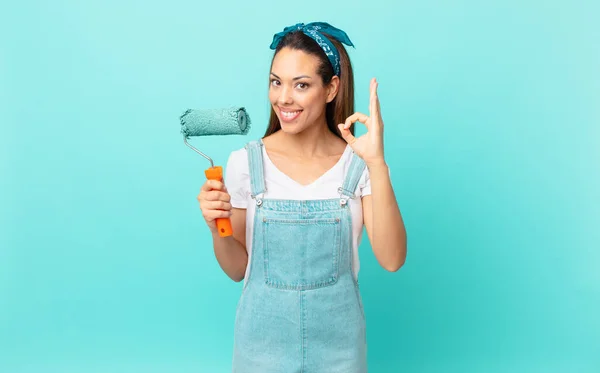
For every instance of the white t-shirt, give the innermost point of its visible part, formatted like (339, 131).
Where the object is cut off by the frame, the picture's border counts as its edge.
(281, 186)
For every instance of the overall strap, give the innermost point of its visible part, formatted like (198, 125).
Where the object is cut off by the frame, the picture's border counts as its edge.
(355, 171)
(255, 166)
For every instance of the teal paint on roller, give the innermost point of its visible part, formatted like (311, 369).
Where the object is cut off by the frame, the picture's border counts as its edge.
(207, 122)
(214, 122)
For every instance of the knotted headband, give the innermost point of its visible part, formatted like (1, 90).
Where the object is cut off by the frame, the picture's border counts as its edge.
(314, 30)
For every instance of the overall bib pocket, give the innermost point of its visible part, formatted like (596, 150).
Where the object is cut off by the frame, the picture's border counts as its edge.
(301, 254)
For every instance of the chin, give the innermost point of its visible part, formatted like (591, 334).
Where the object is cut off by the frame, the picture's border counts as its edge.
(291, 129)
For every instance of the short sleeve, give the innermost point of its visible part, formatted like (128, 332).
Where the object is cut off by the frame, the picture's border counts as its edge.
(237, 178)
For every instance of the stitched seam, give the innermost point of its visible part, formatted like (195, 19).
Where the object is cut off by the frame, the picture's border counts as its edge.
(303, 327)
(255, 168)
(356, 168)
(309, 285)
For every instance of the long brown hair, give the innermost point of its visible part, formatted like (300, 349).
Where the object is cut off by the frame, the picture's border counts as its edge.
(342, 105)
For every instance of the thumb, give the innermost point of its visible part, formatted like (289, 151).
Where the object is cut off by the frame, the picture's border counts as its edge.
(346, 134)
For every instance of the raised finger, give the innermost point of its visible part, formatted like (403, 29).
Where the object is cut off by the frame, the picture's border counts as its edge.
(374, 99)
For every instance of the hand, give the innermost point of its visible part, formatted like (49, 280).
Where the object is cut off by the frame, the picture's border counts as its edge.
(370, 145)
(214, 203)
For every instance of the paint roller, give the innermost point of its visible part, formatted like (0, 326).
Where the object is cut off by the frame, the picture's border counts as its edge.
(215, 122)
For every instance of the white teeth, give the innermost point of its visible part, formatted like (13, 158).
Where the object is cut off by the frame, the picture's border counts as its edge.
(289, 114)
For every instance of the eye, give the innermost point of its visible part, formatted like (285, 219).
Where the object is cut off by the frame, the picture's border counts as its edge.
(274, 82)
(303, 86)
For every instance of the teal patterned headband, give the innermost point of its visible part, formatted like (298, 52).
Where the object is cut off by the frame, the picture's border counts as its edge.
(313, 30)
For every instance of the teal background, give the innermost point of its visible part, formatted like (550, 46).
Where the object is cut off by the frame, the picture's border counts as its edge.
(492, 131)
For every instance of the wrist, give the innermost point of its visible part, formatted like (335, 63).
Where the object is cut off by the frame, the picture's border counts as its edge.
(377, 164)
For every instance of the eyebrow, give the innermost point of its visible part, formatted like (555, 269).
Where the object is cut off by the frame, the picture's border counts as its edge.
(296, 78)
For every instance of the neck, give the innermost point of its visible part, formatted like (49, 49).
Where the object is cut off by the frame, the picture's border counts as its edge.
(314, 141)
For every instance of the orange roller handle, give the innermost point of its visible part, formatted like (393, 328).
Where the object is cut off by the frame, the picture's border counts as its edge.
(223, 224)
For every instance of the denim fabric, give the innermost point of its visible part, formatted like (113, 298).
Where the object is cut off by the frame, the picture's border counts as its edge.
(300, 310)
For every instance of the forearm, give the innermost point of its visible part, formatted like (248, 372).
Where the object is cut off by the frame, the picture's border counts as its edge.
(389, 233)
(231, 255)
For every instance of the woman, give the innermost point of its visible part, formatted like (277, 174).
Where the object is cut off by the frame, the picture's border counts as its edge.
(298, 199)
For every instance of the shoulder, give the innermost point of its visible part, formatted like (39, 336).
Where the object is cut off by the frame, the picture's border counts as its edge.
(238, 156)
(238, 159)
(237, 163)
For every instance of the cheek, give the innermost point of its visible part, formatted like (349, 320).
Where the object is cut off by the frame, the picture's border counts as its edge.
(313, 102)
(303, 100)
(272, 96)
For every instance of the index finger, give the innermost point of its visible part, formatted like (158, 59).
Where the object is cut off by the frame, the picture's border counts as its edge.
(374, 100)
(357, 117)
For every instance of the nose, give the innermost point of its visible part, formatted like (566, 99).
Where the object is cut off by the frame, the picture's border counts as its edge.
(285, 96)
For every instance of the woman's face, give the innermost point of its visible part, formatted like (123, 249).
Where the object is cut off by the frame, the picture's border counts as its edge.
(296, 92)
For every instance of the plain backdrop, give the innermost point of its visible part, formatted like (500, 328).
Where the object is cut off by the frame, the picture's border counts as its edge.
(492, 127)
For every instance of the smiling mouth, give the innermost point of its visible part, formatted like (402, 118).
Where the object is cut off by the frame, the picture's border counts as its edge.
(289, 115)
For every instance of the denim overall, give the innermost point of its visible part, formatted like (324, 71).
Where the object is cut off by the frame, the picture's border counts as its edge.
(300, 310)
